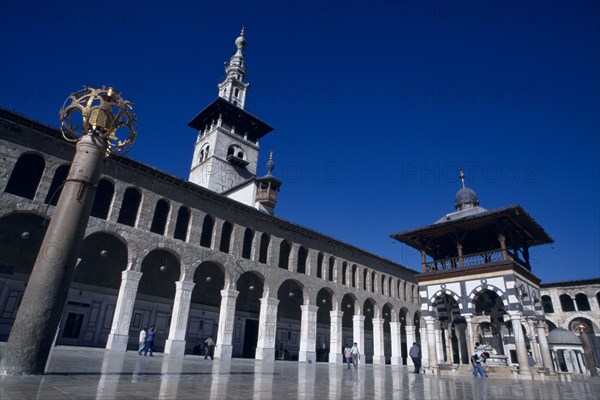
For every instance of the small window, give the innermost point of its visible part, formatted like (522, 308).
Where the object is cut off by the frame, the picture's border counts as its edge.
(237, 92)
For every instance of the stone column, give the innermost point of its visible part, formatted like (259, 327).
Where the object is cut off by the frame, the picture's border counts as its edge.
(431, 345)
(520, 345)
(469, 334)
(544, 349)
(358, 333)
(461, 338)
(267, 329)
(175, 344)
(378, 352)
(396, 340)
(410, 339)
(226, 319)
(534, 343)
(308, 334)
(438, 342)
(293, 260)
(119, 332)
(335, 337)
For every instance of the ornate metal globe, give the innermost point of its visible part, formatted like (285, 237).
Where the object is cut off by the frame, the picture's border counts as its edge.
(99, 112)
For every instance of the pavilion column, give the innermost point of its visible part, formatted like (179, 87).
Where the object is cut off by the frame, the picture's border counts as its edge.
(396, 339)
(438, 342)
(520, 345)
(424, 260)
(461, 338)
(410, 339)
(447, 332)
(267, 329)
(378, 352)
(431, 345)
(469, 334)
(544, 349)
(335, 337)
(534, 342)
(502, 240)
(226, 324)
(175, 344)
(461, 260)
(358, 333)
(119, 332)
(308, 333)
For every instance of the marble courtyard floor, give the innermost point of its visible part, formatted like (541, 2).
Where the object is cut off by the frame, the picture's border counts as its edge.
(84, 373)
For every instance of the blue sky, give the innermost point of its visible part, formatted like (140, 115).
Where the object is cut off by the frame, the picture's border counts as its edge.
(375, 105)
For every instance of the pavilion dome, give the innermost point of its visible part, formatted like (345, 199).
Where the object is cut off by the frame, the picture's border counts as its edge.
(563, 336)
(465, 198)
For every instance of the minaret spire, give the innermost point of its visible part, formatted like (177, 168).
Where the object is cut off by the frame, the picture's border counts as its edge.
(462, 178)
(233, 88)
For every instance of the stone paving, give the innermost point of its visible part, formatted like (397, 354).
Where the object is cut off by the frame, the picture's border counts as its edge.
(88, 373)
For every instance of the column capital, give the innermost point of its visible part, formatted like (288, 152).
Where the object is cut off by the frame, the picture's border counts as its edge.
(336, 314)
(309, 308)
(131, 275)
(360, 318)
(230, 293)
(184, 285)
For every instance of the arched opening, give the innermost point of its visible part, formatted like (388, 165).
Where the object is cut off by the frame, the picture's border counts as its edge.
(331, 274)
(207, 231)
(344, 273)
(103, 199)
(582, 302)
(21, 235)
(247, 245)
(226, 232)
(264, 248)
(289, 313)
(403, 339)
(130, 208)
(161, 213)
(182, 224)
(349, 310)
(455, 349)
(320, 265)
(325, 306)
(302, 257)
(155, 296)
(365, 278)
(547, 304)
(60, 175)
(373, 280)
(354, 275)
(387, 333)
(566, 303)
(368, 313)
(26, 175)
(87, 317)
(284, 254)
(203, 321)
(247, 313)
(489, 324)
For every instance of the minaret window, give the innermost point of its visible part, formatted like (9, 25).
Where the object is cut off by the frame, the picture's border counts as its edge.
(237, 92)
(235, 155)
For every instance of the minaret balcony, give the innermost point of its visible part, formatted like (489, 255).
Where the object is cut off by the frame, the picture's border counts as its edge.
(472, 261)
(266, 196)
(240, 162)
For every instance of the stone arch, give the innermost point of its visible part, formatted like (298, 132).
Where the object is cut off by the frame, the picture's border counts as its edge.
(482, 287)
(209, 277)
(104, 256)
(572, 320)
(325, 303)
(140, 256)
(26, 175)
(431, 301)
(130, 206)
(21, 236)
(159, 266)
(103, 199)
(162, 209)
(392, 311)
(252, 288)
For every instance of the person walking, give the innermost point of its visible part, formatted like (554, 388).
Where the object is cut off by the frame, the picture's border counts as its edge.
(415, 355)
(209, 349)
(142, 344)
(348, 355)
(355, 355)
(477, 360)
(150, 341)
